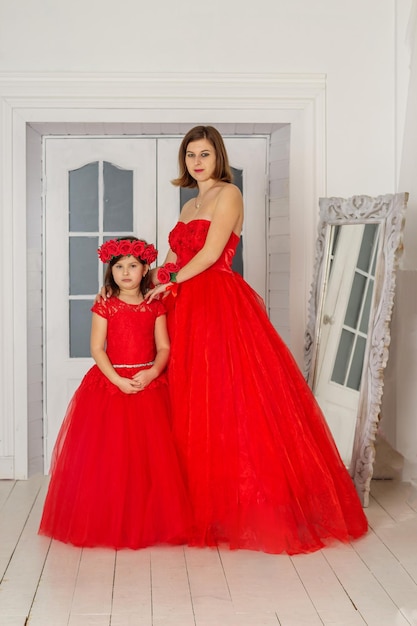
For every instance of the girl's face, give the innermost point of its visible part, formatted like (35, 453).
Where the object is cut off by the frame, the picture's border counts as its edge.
(200, 160)
(128, 273)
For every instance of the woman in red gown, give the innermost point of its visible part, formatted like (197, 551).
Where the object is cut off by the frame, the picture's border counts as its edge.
(262, 469)
(115, 478)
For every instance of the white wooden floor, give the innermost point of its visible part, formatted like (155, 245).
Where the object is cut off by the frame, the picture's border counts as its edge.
(45, 583)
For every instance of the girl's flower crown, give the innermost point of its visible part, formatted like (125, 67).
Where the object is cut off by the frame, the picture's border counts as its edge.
(138, 248)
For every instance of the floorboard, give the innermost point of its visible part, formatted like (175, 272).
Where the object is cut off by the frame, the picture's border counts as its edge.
(372, 581)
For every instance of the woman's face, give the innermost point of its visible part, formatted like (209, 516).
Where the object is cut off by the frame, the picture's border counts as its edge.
(200, 160)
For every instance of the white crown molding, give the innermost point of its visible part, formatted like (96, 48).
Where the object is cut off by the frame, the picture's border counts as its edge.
(192, 78)
(288, 91)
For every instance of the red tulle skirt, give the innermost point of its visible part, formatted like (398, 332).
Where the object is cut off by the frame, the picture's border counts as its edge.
(115, 478)
(261, 466)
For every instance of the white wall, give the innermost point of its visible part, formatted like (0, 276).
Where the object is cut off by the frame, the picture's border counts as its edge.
(399, 407)
(361, 46)
(352, 42)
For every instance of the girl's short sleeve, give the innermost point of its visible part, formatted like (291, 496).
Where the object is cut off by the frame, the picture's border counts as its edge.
(101, 308)
(160, 308)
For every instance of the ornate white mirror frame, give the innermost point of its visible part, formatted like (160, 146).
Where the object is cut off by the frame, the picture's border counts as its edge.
(387, 213)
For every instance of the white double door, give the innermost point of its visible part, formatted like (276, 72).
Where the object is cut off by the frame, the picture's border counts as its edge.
(97, 188)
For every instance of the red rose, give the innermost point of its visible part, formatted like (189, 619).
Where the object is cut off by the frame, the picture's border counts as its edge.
(125, 247)
(150, 253)
(138, 248)
(172, 267)
(102, 253)
(105, 252)
(163, 275)
(112, 248)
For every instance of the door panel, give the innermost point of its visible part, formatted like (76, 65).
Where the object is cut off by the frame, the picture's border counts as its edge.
(94, 187)
(82, 182)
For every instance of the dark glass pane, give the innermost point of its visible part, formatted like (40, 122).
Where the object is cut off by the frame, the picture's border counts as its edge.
(373, 269)
(80, 328)
(364, 325)
(83, 261)
(367, 246)
(118, 199)
(355, 374)
(355, 300)
(237, 264)
(342, 358)
(186, 194)
(83, 199)
(335, 231)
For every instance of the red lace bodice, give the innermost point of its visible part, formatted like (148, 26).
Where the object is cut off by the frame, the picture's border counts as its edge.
(186, 239)
(130, 331)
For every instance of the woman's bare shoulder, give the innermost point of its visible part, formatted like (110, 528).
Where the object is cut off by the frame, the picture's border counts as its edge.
(229, 192)
(230, 189)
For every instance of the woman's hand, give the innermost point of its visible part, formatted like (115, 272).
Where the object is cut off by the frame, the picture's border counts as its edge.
(105, 292)
(157, 291)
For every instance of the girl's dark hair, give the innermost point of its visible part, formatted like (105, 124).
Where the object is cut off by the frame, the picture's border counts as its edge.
(222, 171)
(108, 276)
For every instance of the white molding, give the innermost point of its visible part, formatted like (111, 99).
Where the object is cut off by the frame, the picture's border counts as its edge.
(161, 80)
(6, 302)
(7, 467)
(298, 99)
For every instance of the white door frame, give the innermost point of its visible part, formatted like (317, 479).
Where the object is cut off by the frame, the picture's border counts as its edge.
(153, 162)
(138, 99)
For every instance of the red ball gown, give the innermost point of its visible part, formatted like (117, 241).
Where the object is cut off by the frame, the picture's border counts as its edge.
(115, 478)
(262, 469)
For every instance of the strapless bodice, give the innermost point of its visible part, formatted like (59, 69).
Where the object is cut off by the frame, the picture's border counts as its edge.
(186, 239)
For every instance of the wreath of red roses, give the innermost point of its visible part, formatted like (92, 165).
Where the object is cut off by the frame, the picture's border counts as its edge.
(138, 248)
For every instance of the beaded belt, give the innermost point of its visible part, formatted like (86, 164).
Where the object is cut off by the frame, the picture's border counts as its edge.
(136, 364)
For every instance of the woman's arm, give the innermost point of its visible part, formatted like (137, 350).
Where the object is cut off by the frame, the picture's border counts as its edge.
(227, 213)
(171, 257)
(144, 377)
(98, 352)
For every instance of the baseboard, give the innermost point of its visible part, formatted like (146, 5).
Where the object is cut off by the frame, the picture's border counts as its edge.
(6, 467)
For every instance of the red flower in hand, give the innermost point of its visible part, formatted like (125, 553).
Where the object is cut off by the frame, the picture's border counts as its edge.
(163, 275)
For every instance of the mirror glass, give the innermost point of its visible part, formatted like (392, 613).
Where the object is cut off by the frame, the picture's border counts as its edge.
(344, 323)
(358, 245)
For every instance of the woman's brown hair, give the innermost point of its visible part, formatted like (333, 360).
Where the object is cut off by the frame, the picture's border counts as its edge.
(222, 171)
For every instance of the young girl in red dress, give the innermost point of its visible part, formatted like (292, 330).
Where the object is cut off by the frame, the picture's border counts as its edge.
(115, 479)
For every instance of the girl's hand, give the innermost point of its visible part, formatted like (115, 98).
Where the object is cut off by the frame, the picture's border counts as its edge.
(127, 385)
(157, 291)
(144, 378)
